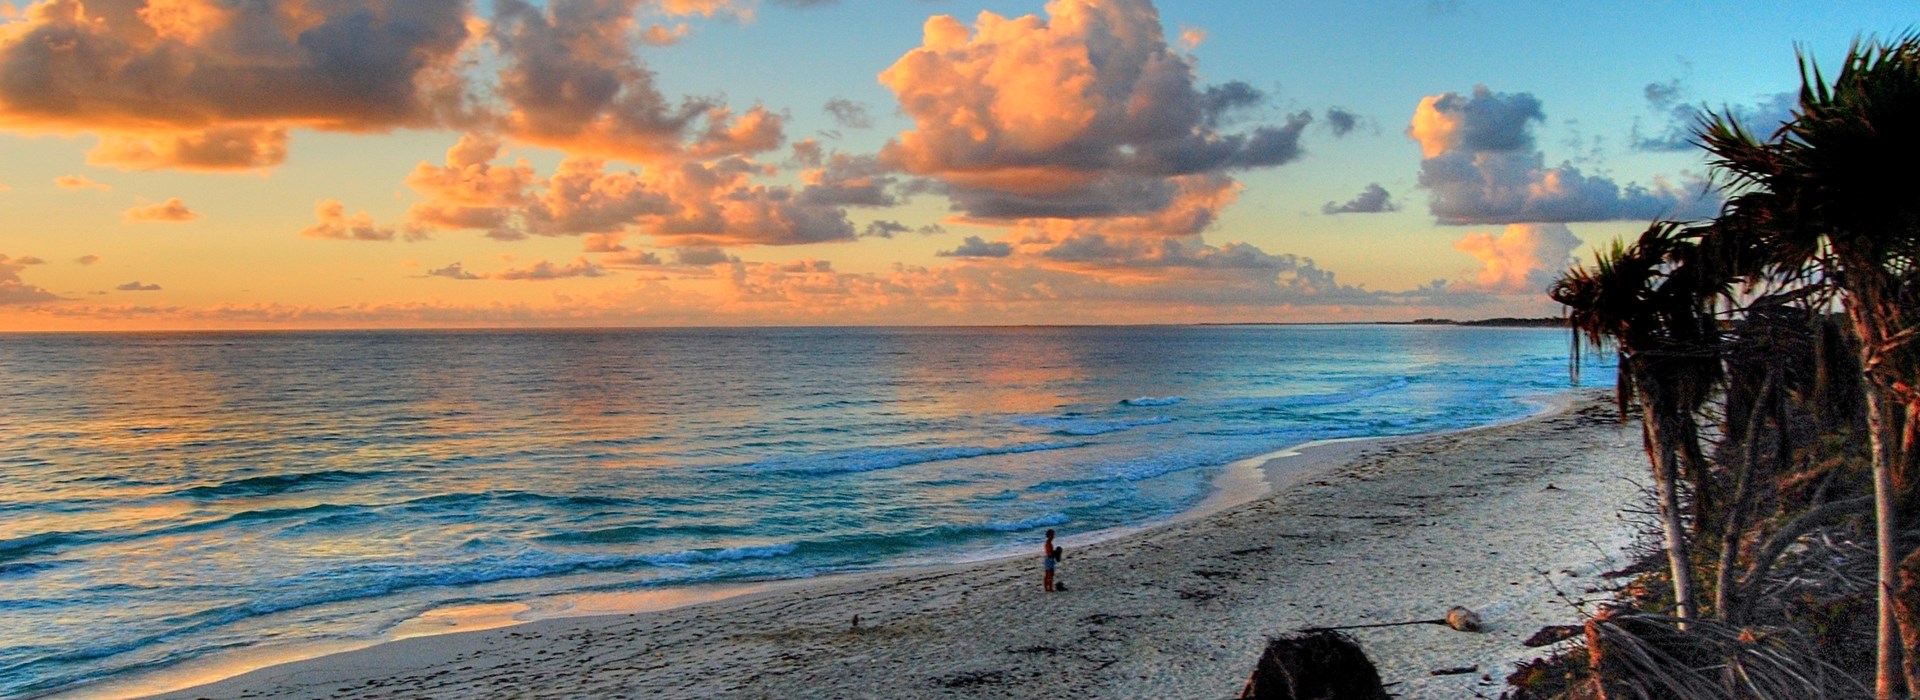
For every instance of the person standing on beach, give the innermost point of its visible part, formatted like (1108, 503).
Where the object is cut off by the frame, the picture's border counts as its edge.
(1047, 580)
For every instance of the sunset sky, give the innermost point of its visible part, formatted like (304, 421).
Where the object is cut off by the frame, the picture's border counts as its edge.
(185, 164)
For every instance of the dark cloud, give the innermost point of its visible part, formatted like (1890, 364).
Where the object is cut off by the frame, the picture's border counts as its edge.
(702, 256)
(136, 286)
(1341, 121)
(539, 271)
(849, 114)
(453, 271)
(87, 259)
(848, 180)
(1218, 103)
(974, 247)
(806, 266)
(181, 88)
(572, 80)
(1373, 200)
(543, 270)
(1676, 119)
(1169, 253)
(1482, 167)
(13, 289)
(884, 229)
(638, 258)
(808, 153)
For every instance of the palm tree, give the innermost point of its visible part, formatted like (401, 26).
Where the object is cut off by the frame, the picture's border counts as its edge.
(1834, 188)
(1655, 314)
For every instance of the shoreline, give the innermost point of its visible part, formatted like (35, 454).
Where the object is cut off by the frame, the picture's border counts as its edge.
(787, 627)
(1238, 483)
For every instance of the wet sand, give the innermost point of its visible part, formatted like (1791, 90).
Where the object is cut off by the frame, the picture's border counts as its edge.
(1354, 532)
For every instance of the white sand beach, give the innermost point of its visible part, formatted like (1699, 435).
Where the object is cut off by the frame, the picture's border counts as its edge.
(1500, 519)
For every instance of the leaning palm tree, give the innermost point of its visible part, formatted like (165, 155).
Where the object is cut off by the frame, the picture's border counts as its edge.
(1656, 316)
(1835, 184)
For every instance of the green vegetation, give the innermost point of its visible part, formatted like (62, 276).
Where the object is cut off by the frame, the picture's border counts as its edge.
(1770, 354)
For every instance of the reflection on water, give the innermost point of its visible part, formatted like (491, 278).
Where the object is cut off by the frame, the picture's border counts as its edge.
(166, 496)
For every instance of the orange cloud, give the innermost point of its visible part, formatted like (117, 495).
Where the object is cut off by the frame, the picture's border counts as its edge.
(1085, 114)
(224, 148)
(662, 35)
(703, 203)
(80, 182)
(173, 211)
(1523, 259)
(540, 271)
(213, 85)
(334, 224)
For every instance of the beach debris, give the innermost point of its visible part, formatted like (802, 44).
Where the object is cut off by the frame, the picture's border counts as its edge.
(1458, 618)
(1457, 671)
(1553, 634)
(1314, 664)
(1631, 653)
(1462, 619)
(969, 679)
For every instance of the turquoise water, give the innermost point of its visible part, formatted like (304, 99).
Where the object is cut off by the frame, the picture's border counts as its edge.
(168, 496)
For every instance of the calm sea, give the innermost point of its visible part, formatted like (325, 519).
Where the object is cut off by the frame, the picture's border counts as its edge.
(168, 496)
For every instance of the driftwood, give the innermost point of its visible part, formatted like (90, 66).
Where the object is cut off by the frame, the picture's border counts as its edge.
(1314, 665)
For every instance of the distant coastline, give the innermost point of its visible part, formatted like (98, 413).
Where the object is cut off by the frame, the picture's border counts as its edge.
(1502, 322)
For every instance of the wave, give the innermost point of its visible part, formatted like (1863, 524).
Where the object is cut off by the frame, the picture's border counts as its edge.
(40, 542)
(1084, 427)
(695, 556)
(50, 542)
(28, 567)
(857, 461)
(469, 500)
(628, 534)
(1038, 521)
(1152, 401)
(1327, 399)
(278, 483)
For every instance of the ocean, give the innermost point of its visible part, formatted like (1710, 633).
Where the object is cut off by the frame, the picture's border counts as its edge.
(170, 497)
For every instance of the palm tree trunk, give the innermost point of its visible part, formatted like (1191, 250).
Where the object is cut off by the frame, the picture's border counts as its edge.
(1880, 421)
(1907, 600)
(1867, 311)
(1693, 463)
(1666, 477)
(1724, 598)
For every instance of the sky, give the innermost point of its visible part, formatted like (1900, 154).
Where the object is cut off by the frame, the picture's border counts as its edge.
(303, 164)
